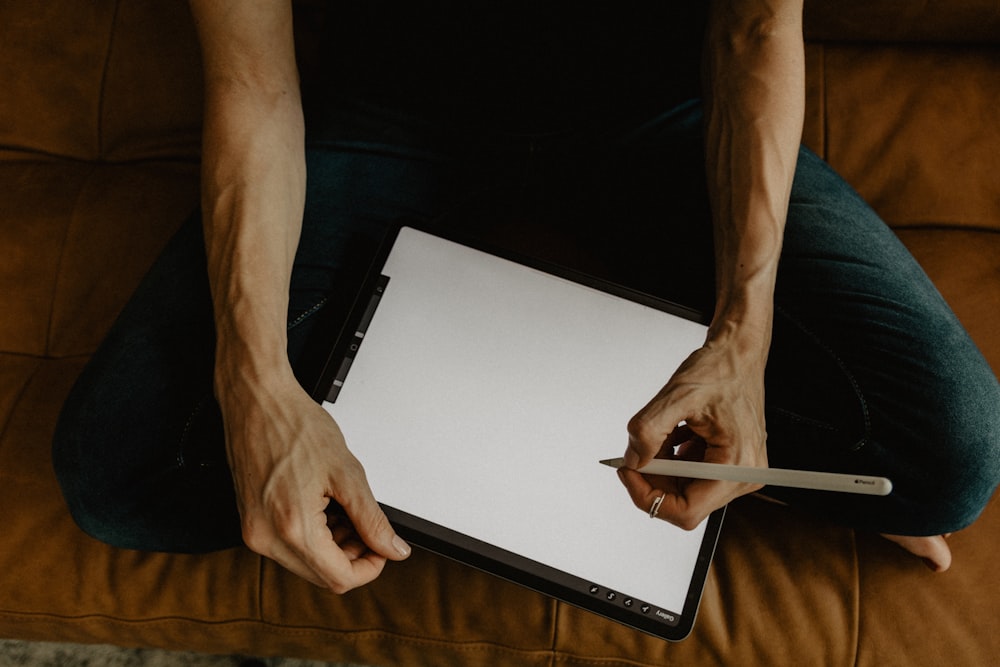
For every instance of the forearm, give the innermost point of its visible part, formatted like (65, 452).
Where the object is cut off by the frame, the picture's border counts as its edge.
(754, 89)
(253, 197)
(253, 180)
(288, 457)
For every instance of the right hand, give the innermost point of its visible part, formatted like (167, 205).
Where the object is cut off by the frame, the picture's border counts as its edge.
(718, 392)
(289, 460)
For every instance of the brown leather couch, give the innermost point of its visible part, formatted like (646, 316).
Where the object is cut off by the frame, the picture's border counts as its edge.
(99, 142)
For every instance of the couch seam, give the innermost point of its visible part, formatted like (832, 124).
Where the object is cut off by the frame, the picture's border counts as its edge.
(28, 615)
(916, 225)
(822, 78)
(259, 611)
(347, 635)
(44, 357)
(823, 116)
(104, 80)
(471, 646)
(599, 662)
(856, 590)
(17, 399)
(556, 610)
(42, 157)
(59, 263)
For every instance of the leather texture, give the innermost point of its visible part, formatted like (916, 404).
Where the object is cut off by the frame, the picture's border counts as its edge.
(99, 133)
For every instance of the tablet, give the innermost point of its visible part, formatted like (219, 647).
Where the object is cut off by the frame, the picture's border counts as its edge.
(479, 391)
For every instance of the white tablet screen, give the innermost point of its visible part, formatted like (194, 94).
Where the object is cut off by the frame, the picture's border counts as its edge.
(483, 396)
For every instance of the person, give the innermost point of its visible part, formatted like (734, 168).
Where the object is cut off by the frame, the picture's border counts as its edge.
(192, 428)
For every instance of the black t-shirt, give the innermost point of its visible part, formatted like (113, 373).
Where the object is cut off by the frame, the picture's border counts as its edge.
(523, 65)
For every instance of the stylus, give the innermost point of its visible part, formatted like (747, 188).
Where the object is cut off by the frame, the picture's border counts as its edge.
(799, 479)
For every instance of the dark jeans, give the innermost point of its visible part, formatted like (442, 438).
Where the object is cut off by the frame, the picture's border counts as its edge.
(869, 370)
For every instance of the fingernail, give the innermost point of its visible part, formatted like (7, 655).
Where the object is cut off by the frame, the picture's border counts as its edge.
(401, 547)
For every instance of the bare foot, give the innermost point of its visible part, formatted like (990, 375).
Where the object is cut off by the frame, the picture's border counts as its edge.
(932, 550)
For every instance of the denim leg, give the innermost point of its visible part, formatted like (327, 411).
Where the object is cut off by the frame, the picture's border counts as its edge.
(139, 446)
(870, 372)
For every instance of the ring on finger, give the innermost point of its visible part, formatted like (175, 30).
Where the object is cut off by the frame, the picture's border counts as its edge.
(655, 509)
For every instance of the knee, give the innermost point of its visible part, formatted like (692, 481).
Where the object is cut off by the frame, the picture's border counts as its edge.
(970, 478)
(98, 468)
(166, 508)
(962, 466)
(87, 490)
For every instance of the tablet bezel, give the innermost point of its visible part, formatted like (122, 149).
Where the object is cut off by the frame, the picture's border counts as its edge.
(489, 558)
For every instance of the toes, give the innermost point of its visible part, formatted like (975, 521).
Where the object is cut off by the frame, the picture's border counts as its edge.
(933, 550)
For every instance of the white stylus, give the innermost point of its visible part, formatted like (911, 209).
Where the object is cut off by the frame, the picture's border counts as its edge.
(800, 479)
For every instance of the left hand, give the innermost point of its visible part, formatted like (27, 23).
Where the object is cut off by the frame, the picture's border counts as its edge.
(718, 394)
(290, 462)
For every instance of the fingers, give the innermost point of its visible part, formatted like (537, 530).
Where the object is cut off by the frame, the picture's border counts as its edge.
(345, 536)
(339, 558)
(650, 431)
(329, 557)
(657, 430)
(685, 504)
(289, 459)
(339, 550)
(370, 522)
(708, 411)
(347, 549)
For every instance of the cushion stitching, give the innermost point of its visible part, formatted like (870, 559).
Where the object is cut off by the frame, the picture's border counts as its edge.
(104, 81)
(49, 331)
(17, 399)
(856, 598)
(478, 645)
(823, 83)
(556, 607)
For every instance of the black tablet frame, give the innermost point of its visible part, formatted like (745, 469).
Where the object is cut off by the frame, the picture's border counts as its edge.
(671, 625)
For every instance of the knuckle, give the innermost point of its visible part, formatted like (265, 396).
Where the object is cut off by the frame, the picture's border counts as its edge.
(349, 476)
(339, 588)
(351, 467)
(639, 504)
(640, 428)
(256, 535)
(261, 532)
(688, 522)
(352, 493)
(634, 425)
(288, 530)
(685, 518)
(378, 523)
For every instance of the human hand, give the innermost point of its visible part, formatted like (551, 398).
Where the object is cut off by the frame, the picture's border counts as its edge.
(289, 460)
(712, 409)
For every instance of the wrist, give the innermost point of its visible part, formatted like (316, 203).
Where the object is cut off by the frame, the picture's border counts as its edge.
(245, 368)
(744, 326)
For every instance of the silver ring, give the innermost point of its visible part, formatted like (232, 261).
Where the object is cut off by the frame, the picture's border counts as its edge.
(655, 509)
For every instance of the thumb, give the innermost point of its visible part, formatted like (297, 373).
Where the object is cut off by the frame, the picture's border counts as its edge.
(373, 527)
(649, 429)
